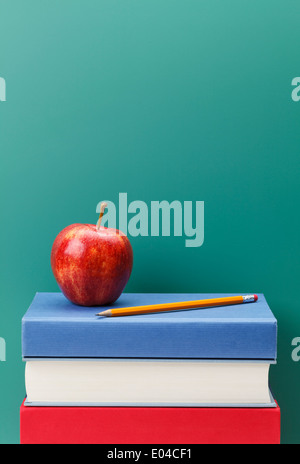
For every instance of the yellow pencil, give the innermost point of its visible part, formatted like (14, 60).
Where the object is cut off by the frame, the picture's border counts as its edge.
(157, 308)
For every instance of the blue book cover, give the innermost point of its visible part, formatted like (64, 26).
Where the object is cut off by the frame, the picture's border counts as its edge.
(55, 328)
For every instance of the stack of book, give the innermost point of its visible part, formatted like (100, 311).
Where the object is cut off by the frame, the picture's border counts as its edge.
(183, 377)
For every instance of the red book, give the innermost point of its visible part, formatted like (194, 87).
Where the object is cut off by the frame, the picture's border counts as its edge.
(126, 425)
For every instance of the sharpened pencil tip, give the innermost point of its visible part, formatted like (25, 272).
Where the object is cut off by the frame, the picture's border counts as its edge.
(104, 313)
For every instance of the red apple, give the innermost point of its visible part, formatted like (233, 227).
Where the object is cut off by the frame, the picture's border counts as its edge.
(92, 264)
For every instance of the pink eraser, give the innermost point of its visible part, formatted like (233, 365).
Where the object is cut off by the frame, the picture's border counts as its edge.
(255, 297)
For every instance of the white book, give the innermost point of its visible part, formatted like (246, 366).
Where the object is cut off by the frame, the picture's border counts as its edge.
(147, 382)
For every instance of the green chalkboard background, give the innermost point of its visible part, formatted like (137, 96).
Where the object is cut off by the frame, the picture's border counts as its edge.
(165, 100)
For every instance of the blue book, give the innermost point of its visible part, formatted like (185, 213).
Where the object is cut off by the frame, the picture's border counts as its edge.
(55, 328)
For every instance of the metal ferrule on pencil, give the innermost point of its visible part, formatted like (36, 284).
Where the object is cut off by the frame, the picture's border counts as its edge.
(249, 298)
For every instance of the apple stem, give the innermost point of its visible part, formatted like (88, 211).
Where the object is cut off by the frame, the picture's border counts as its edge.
(102, 209)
